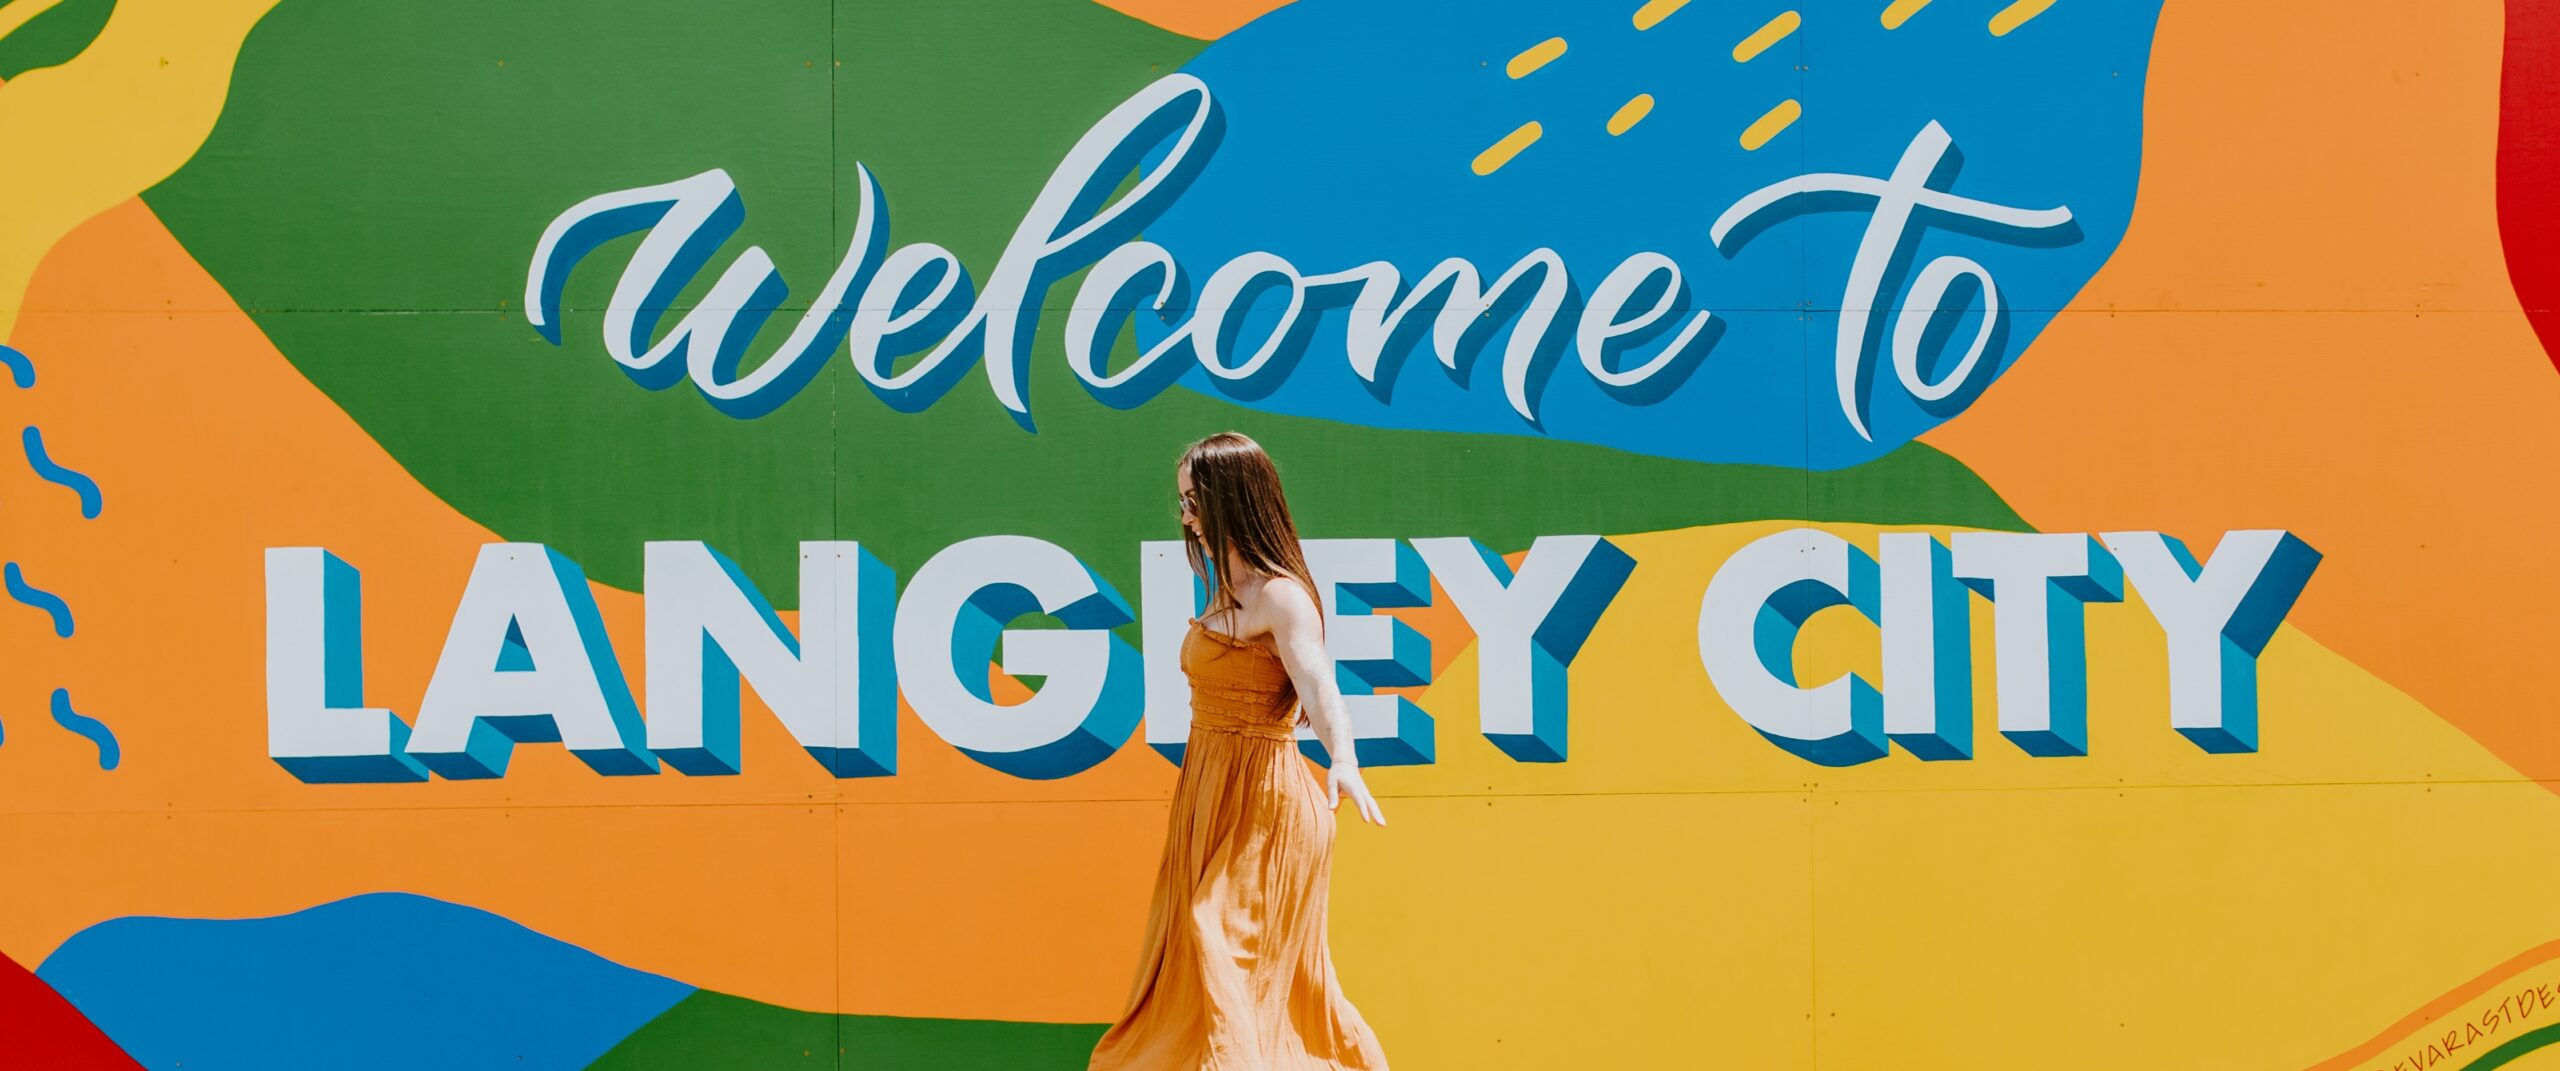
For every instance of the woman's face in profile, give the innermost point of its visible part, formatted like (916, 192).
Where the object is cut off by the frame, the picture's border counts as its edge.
(1182, 492)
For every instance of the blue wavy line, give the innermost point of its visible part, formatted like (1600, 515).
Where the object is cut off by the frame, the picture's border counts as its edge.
(90, 500)
(22, 370)
(109, 752)
(37, 597)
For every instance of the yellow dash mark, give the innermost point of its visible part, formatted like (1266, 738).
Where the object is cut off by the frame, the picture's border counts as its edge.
(1654, 11)
(1768, 126)
(2016, 15)
(1760, 39)
(1631, 113)
(1534, 57)
(1492, 159)
(1900, 11)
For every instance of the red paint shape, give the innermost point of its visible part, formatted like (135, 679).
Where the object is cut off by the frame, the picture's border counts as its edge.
(40, 1029)
(2529, 164)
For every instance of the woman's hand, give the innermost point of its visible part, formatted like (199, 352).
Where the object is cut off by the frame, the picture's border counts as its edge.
(1344, 779)
(1297, 630)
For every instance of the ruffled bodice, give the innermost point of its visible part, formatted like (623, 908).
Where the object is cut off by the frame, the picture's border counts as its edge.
(1237, 686)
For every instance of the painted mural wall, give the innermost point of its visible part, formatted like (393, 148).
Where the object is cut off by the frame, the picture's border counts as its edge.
(1861, 534)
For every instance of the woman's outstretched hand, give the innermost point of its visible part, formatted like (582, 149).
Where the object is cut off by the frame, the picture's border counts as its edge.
(1342, 780)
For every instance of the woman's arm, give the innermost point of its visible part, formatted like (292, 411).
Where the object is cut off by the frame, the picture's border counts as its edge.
(1297, 630)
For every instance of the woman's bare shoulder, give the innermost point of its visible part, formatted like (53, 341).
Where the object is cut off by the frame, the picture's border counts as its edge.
(1281, 602)
(1265, 605)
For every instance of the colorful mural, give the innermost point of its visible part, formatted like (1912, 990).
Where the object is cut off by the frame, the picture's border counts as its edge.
(1863, 534)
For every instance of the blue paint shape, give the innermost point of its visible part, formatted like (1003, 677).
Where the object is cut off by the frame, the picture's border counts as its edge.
(384, 981)
(90, 500)
(110, 753)
(21, 370)
(1368, 160)
(50, 603)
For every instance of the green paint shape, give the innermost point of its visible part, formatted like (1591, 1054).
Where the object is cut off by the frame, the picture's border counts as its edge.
(52, 38)
(2515, 1048)
(374, 190)
(715, 1030)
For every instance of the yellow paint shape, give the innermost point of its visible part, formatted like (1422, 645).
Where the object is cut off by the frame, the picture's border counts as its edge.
(1900, 11)
(1768, 126)
(1534, 57)
(1966, 914)
(1501, 152)
(1760, 39)
(22, 13)
(1654, 11)
(157, 75)
(1631, 113)
(2016, 15)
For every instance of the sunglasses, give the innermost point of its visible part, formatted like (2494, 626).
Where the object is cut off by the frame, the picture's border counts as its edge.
(1182, 502)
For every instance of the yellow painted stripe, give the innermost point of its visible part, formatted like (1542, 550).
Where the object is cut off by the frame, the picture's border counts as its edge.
(1900, 11)
(1534, 57)
(159, 71)
(22, 13)
(1631, 113)
(1654, 11)
(1492, 159)
(2016, 15)
(1760, 39)
(1768, 126)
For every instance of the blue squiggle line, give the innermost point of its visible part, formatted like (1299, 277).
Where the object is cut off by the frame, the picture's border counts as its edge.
(90, 500)
(21, 370)
(109, 752)
(37, 597)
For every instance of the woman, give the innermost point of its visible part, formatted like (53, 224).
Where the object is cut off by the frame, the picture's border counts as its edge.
(1235, 975)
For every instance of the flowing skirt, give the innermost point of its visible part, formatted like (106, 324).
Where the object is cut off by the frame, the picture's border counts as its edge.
(1236, 975)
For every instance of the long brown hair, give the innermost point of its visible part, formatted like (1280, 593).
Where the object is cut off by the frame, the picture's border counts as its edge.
(1235, 491)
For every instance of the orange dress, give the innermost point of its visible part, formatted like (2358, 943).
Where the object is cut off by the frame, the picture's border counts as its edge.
(1236, 975)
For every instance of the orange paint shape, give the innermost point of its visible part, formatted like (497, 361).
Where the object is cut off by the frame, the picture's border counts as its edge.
(2342, 357)
(210, 447)
(1207, 20)
(157, 72)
